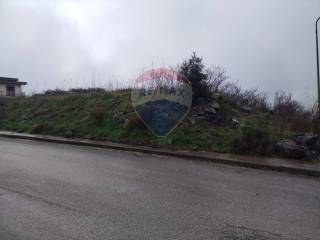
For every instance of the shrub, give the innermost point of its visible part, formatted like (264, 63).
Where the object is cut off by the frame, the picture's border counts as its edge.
(55, 92)
(216, 77)
(87, 90)
(285, 106)
(42, 128)
(252, 139)
(97, 113)
(133, 122)
(3, 106)
(290, 114)
(237, 96)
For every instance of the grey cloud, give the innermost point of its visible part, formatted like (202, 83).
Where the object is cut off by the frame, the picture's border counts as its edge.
(266, 44)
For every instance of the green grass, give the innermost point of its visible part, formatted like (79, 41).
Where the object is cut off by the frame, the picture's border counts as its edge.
(100, 116)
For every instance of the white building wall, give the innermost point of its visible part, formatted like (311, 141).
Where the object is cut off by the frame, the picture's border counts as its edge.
(18, 90)
(2, 90)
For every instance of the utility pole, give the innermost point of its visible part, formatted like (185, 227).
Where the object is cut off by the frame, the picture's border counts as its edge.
(318, 77)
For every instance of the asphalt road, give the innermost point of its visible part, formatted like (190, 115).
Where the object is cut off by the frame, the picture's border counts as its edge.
(51, 191)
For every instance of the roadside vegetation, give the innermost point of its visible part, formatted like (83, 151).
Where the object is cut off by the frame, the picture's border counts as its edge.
(223, 118)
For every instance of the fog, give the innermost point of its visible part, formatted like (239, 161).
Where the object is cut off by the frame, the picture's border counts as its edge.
(269, 44)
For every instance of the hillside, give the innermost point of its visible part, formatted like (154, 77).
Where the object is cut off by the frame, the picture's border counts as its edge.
(217, 124)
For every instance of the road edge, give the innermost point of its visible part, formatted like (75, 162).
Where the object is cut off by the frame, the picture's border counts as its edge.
(213, 157)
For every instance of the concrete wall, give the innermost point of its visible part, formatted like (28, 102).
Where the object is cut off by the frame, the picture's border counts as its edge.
(18, 90)
(3, 90)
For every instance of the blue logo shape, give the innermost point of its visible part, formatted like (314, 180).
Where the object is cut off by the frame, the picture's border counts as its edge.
(162, 98)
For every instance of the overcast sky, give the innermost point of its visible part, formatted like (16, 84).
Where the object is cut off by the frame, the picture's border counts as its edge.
(268, 44)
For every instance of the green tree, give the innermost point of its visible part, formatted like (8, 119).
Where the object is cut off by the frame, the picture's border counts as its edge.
(194, 70)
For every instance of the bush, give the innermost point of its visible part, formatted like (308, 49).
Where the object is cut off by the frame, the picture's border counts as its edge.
(87, 90)
(55, 92)
(3, 106)
(60, 92)
(97, 114)
(290, 114)
(252, 139)
(42, 128)
(234, 94)
(133, 122)
(285, 106)
(216, 77)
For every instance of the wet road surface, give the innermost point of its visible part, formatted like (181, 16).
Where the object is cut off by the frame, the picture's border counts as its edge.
(54, 191)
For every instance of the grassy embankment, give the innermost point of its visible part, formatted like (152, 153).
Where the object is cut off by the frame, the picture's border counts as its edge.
(109, 116)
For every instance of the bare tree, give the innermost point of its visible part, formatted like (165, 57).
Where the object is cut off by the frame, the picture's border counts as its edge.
(216, 78)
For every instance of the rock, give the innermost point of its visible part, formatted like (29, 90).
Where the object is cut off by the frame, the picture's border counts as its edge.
(289, 149)
(215, 105)
(115, 117)
(193, 121)
(210, 110)
(235, 122)
(126, 123)
(313, 155)
(306, 140)
(246, 109)
(201, 117)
